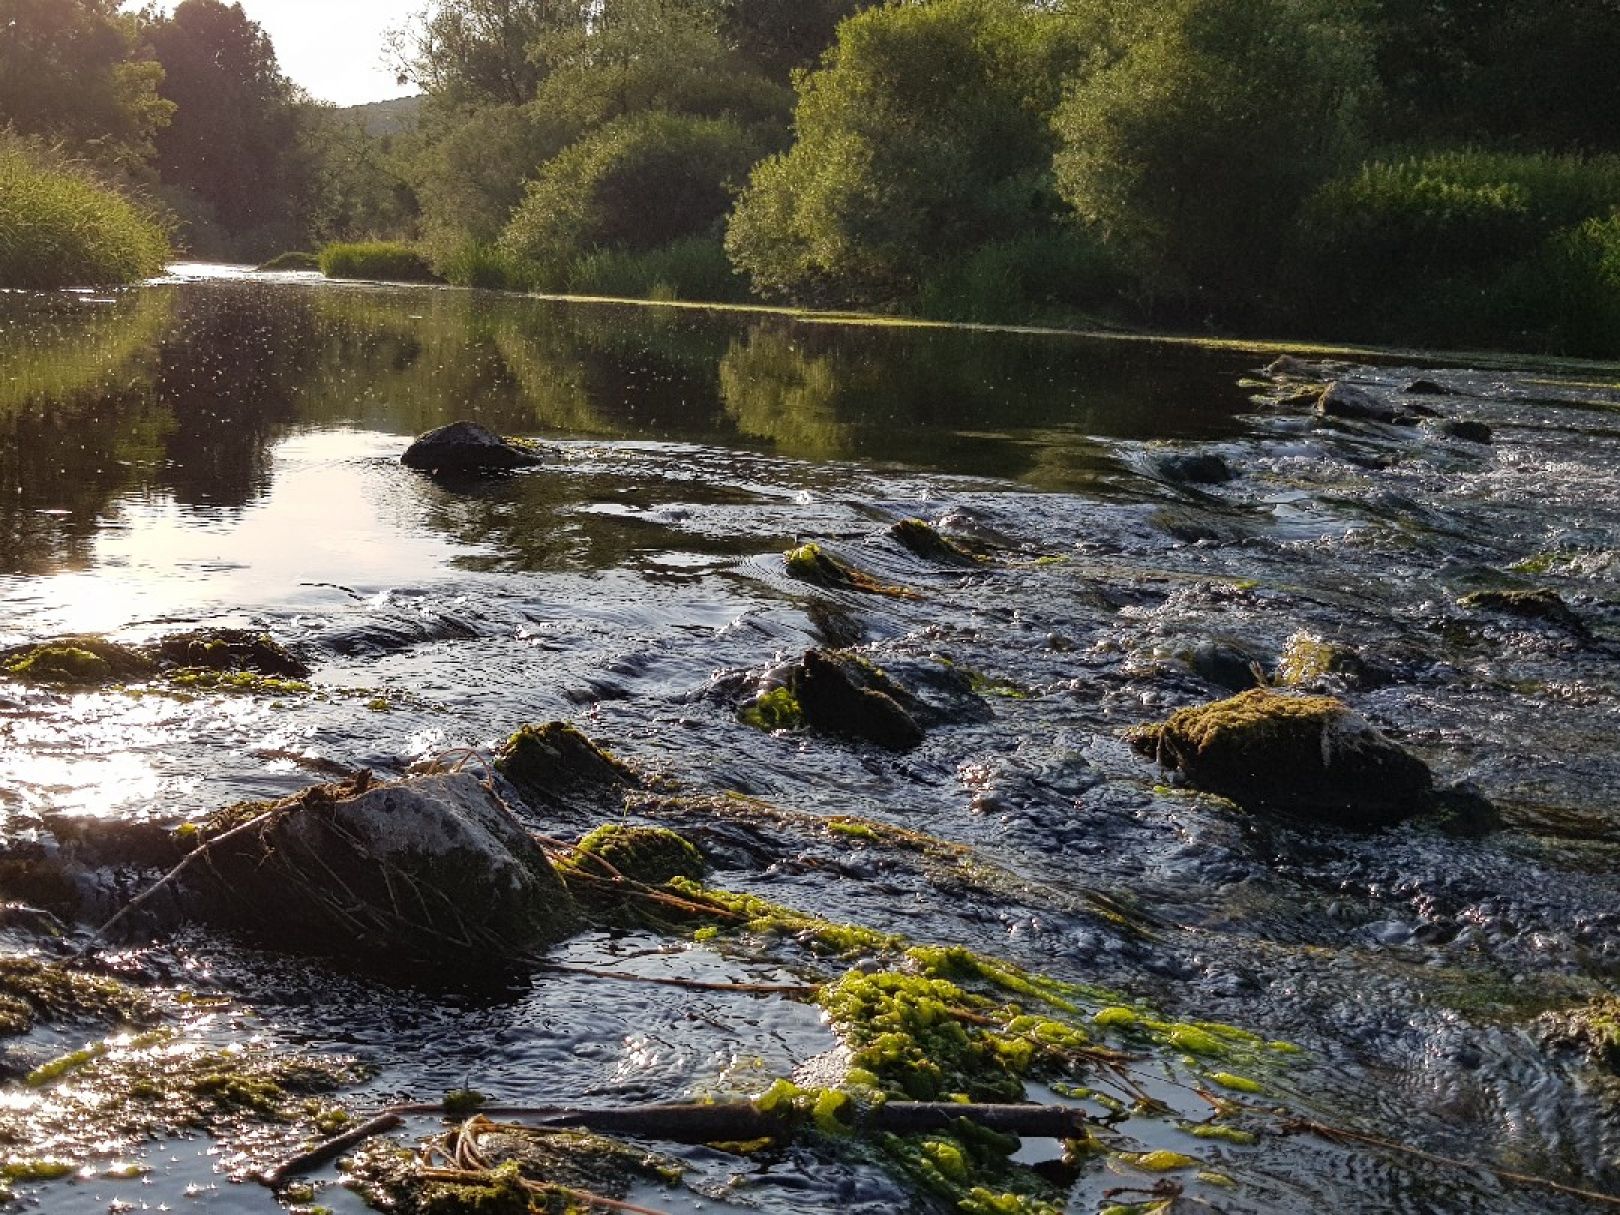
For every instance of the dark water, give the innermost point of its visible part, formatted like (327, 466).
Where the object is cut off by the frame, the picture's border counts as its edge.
(225, 452)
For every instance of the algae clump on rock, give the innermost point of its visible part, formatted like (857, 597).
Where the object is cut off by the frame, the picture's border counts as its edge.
(1308, 756)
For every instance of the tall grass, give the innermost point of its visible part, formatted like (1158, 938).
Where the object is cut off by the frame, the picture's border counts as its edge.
(693, 268)
(382, 260)
(1466, 248)
(61, 226)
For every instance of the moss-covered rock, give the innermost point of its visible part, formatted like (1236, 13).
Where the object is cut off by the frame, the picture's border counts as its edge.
(924, 540)
(649, 855)
(1308, 660)
(1592, 1028)
(230, 650)
(1307, 756)
(1546, 606)
(80, 661)
(842, 695)
(556, 764)
(433, 870)
(811, 563)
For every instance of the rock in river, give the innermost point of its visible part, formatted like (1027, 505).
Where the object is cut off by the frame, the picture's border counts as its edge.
(431, 870)
(466, 447)
(1307, 756)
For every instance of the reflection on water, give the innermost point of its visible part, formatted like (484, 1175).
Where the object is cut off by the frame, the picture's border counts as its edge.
(114, 414)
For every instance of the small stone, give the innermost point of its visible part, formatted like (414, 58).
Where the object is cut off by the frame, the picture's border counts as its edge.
(1467, 431)
(1204, 468)
(466, 447)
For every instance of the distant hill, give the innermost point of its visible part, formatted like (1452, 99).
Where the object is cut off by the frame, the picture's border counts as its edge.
(386, 117)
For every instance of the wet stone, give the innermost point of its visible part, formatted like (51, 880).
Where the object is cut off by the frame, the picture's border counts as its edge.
(1309, 757)
(1341, 400)
(841, 695)
(231, 650)
(435, 870)
(1226, 665)
(1544, 605)
(556, 765)
(1205, 468)
(1429, 388)
(466, 447)
(1466, 430)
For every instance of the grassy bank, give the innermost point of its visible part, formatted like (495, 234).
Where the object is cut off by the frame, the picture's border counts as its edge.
(60, 226)
(381, 260)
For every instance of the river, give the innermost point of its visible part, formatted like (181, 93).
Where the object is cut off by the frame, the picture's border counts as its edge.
(220, 448)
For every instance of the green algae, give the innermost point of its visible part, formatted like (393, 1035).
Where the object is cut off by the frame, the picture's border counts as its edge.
(649, 855)
(556, 760)
(33, 990)
(778, 709)
(810, 563)
(251, 683)
(1592, 1028)
(922, 539)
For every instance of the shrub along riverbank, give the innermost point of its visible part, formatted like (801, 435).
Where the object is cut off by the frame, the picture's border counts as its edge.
(61, 226)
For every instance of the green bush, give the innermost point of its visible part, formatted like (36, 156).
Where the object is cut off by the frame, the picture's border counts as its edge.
(926, 135)
(637, 184)
(1194, 150)
(382, 260)
(60, 226)
(1052, 273)
(1465, 248)
(694, 268)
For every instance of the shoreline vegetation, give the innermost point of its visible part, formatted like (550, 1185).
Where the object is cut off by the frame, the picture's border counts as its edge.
(62, 226)
(1391, 174)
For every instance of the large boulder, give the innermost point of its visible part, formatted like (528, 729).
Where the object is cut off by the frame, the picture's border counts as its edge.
(466, 447)
(433, 870)
(1306, 756)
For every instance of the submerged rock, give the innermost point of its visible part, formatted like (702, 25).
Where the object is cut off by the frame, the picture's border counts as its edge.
(1226, 665)
(435, 869)
(466, 447)
(1429, 388)
(811, 563)
(1467, 431)
(1194, 468)
(1545, 605)
(1307, 756)
(923, 540)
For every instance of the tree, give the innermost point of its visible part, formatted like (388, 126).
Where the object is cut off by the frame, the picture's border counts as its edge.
(77, 72)
(926, 134)
(638, 183)
(1195, 149)
(782, 37)
(233, 146)
(481, 52)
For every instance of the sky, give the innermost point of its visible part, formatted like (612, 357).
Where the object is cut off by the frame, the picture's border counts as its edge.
(332, 47)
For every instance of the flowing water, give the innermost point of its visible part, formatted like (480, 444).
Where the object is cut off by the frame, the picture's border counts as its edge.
(222, 449)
